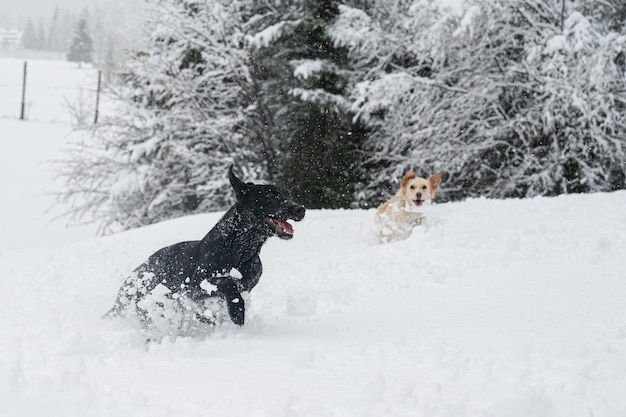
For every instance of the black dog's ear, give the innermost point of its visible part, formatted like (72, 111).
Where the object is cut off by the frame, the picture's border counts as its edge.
(241, 188)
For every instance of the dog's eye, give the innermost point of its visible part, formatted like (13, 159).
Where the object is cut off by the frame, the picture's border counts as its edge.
(412, 187)
(424, 187)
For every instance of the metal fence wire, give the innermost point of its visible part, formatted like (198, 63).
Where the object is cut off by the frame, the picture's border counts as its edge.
(57, 91)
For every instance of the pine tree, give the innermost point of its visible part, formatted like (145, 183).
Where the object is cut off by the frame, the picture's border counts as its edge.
(304, 86)
(81, 46)
(29, 37)
(41, 36)
(53, 31)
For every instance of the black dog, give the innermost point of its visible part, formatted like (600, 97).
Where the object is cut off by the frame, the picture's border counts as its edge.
(227, 257)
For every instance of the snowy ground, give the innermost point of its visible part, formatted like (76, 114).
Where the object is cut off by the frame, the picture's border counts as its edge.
(27, 181)
(56, 91)
(495, 309)
(56, 94)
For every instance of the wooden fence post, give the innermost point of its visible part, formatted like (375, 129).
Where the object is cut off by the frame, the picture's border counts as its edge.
(22, 112)
(95, 119)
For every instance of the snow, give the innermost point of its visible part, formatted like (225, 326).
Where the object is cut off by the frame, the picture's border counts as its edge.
(456, 6)
(352, 29)
(125, 185)
(579, 29)
(307, 67)
(264, 37)
(319, 95)
(556, 44)
(52, 89)
(373, 96)
(492, 308)
(143, 149)
(466, 23)
(27, 181)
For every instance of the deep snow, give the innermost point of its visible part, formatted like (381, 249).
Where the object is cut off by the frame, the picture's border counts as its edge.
(495, 308)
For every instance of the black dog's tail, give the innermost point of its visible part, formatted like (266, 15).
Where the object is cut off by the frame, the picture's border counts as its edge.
(126, 296)
(119, 308)
(116, 311)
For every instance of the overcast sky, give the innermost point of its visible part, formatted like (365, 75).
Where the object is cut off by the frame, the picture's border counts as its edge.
(43, 7)
(18, 11)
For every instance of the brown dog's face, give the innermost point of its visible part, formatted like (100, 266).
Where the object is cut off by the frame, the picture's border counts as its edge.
(418, 189)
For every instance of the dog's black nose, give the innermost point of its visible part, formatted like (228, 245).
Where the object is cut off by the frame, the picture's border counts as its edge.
(418, 196)
(297, 212)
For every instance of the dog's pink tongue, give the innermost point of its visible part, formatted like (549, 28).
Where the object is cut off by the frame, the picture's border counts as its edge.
(286, 227)
(418, 202)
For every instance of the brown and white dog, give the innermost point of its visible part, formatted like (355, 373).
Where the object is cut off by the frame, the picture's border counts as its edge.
(397, 217)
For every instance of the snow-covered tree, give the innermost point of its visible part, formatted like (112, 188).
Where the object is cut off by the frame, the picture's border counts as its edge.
(41, 36)
(104, 32)
(54, 38)
(303, 78)
(61, 29)
(114, 31)
(577, 141)
(81, 46)
(29, 37)
(394, 48)
(180, 123)
(507, 98)
(501, 98)
(610, 13)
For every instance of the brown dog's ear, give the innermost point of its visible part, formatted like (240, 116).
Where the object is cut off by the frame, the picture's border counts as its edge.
(434, 181)
(407, 177)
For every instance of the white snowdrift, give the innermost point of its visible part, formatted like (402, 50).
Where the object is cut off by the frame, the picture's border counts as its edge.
(496, 308)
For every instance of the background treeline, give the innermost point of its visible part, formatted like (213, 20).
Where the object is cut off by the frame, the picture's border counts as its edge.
(98, 34)
(335, 100)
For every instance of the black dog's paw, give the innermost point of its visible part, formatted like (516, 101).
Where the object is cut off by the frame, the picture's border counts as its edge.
(234, 302)
(236, 310)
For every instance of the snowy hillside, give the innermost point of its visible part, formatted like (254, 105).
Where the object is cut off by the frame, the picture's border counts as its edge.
(497, 308)
(508, 308)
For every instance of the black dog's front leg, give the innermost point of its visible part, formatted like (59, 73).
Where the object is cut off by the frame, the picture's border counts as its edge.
(251, 273)
(230, 288)
(231, 292)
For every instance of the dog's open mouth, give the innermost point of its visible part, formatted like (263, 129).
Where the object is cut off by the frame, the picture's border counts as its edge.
(418, 203)
(282, 228)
